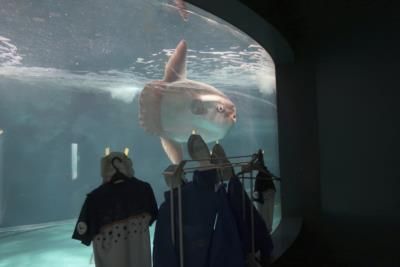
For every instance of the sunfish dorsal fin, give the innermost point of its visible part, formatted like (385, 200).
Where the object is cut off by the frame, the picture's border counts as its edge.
(172, 149)
(176, 66)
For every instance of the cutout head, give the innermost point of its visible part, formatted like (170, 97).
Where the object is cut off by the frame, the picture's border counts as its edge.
(108, 165)
(198, 149)
(219, 157)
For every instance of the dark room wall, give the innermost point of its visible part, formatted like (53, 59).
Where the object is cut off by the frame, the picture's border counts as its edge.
(357, 90)
(298, 141)
(358, 97)
(346, 63)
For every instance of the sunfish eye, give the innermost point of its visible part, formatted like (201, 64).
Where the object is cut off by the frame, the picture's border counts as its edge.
(220, 108)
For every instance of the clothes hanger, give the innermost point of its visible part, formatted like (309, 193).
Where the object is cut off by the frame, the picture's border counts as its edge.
(118, 177)
(257, 164)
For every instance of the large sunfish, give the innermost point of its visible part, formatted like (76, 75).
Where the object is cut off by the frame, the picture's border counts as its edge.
(174, 107)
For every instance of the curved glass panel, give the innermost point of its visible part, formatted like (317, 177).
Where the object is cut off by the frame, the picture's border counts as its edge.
(71, 75)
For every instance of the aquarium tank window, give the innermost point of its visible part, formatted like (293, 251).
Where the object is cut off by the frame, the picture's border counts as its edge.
(71, 81)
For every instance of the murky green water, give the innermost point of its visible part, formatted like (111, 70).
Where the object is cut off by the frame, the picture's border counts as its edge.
(70, 77)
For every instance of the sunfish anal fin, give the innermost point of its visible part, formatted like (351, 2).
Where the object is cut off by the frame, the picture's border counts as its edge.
(176, 66)
(172, 149)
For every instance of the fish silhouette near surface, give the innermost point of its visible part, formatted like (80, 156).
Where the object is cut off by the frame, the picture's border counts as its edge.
(174, 107)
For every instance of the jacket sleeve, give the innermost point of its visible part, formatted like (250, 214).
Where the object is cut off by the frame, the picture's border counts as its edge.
(85, 228)
(153, 208)
(226, 247)
(262, 238)
(164, 253)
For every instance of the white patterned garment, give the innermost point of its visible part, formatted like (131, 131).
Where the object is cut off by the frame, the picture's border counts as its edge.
(115, 217)
(124, 244)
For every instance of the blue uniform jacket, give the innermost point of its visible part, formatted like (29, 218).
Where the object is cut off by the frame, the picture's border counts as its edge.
(263, 241)
(226, 247)
(203, 246)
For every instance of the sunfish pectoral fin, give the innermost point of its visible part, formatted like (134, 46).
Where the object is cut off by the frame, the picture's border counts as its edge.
(197, 107)
(176, 66)
(172, 149)
(150, 108)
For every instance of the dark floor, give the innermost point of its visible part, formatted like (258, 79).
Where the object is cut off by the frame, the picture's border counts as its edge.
(308, 250)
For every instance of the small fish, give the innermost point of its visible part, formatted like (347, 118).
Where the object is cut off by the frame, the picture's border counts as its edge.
(175, 106)
(181, 6)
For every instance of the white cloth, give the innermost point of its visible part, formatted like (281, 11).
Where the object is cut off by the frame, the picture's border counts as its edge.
(124, 244)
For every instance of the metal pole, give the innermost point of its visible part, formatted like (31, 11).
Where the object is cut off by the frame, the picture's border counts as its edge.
(180, 226)
(243, 198)
(233, 157)
(2, 191)
(172, 215)
(220, 166)
(252, 216)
